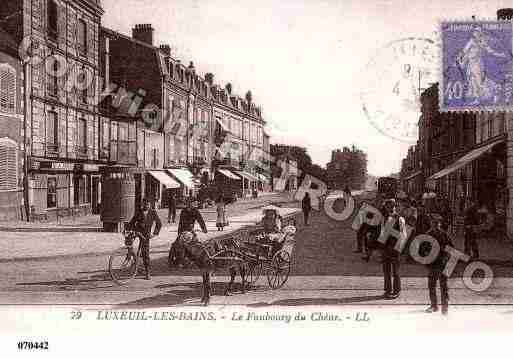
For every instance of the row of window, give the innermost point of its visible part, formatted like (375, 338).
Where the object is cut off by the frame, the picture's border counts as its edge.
(52, 133)
(490, 125)
(53, 28)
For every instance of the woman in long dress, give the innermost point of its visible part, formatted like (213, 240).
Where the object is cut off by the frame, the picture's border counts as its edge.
(221, 214)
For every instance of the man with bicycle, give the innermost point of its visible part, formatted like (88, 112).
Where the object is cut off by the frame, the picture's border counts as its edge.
(142, 222)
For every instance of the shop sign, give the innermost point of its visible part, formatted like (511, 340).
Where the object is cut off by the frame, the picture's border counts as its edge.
(87, 167)
(60, 166)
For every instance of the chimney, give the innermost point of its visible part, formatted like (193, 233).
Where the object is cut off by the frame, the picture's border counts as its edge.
(209, 78)
(249, 96)
(166, 49)
(191, 67)
(505, 14)
(144, 33)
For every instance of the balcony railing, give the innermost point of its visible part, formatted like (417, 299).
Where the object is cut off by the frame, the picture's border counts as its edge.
(52, 149)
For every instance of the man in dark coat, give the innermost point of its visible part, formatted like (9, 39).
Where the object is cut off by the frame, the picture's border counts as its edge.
(471, 222)
(171, 215)
(391, 257)
(142, 222)
(188, 217)
(436, 267)
(306, 206)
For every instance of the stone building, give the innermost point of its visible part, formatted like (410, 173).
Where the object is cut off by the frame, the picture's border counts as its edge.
(11, 130)
(62, 118)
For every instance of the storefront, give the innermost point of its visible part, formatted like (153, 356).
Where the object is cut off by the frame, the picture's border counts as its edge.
(186, 180)
(249, 182)
(56, 186)
(478, 176)
(158, 186)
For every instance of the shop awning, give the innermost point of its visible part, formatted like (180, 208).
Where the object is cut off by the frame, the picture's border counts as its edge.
(262, 178)
(228, 174)
(183, 175)
(247, 176)
(413, 175)
(463, 161)
(164, 178)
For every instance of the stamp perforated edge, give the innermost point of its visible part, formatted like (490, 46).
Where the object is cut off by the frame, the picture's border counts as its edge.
(441, 83)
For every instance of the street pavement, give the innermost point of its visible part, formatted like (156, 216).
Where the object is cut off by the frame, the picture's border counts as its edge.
(325, 271)
(83, 236)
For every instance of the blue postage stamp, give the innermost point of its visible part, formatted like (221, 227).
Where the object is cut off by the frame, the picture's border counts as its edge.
(477, 60)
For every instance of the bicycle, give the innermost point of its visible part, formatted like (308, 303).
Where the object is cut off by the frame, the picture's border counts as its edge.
(124, 263)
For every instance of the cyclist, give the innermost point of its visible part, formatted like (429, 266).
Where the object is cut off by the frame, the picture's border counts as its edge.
(142, 222)
(188, 217)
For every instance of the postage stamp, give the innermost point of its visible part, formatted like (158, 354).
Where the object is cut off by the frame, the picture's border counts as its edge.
(477, 66)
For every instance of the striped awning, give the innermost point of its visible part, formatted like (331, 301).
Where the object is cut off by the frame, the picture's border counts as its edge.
(164, 178)
(465, 160)
(228, 174)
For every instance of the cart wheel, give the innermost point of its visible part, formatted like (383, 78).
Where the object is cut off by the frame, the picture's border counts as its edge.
(122, 266)
(253, 272)
(279, 269)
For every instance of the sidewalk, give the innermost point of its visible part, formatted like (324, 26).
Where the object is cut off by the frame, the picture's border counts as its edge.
(82, 237)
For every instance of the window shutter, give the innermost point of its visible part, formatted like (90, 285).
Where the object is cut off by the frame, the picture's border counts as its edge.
(7, 89)
(8, 166)
(61, 25)
(90, 137)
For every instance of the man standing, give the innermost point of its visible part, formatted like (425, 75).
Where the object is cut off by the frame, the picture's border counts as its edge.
(306, 205)
(393, 230)
(142, 222)
(436, 267)
(171, 215)
(471, 223)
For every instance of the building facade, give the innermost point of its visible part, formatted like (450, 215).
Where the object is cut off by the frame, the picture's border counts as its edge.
(62, 117)
(11, 130)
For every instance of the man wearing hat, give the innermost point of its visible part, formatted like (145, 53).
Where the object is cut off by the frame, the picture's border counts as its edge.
(436, 267)
(391, 256)
(142, 222)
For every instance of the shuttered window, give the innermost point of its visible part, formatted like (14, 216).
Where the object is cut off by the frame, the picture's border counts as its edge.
(52, 19)
(7, 89)
(8, 165)
(82, 37)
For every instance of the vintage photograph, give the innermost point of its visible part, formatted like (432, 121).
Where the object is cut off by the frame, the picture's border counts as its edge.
(329, 162)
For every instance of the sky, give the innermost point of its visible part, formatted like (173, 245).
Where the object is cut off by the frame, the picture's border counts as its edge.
(306, 62)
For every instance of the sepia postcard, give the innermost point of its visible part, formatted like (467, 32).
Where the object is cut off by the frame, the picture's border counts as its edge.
(256, 177)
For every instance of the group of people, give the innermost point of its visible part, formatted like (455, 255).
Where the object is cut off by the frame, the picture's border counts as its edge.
(147, 223)
(431, 215)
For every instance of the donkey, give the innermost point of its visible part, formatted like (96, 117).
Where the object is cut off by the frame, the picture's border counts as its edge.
(203, 255)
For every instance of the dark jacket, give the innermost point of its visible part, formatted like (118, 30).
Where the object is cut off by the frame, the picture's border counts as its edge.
(142, 223)
(187, 219)
(172, 202)
(443, 240)
(306, 204)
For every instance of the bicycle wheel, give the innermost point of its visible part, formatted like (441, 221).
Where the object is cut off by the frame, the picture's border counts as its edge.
(123, 266)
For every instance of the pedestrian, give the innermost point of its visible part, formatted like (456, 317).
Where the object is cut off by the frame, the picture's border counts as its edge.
(171, 203)
(471, 223)
(392, 221)
(347, 190)
(306, 205)
(436, 267)
(221, 214)
(142, 222)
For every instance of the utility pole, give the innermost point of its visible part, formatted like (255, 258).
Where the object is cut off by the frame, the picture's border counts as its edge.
(25, 154)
